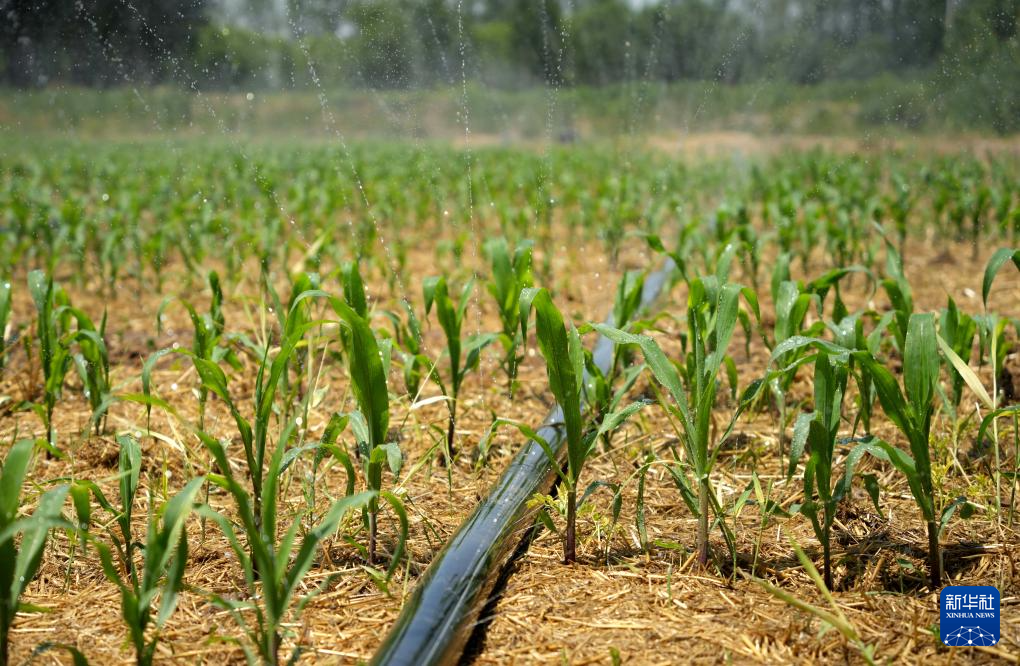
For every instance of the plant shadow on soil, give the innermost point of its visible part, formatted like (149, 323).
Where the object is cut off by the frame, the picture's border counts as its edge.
(884, 562)
(879, 562)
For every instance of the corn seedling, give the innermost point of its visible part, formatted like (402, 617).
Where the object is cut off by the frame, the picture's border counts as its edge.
(509, 277)
(911, 410)
(54, 353)
(564, 360)
(817, 434)
(93, 365)
(269, 559)
(849, 333)
(561, 348)
(19, 561)
(791, 306)
(626, 304)
(415, 364)
(289, 318)
(163, 555)
(275, 566)
(207, 333)
(463, 355)
(900, 295)
(367, 362)
(254, 438)
(793, 301)
(992, 333)
(711, 317)
(599, 392)
(367, 371)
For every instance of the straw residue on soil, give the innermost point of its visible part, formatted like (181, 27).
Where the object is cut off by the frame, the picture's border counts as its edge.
(649, 607)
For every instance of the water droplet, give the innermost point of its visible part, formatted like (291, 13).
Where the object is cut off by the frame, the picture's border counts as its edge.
(173, 387)
(175, 345)
(249, 96)
(106, 197)
(299, 420)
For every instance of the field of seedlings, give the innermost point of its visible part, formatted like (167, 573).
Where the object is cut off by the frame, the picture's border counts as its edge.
(249, 391)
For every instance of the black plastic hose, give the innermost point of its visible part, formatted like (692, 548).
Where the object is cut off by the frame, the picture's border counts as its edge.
(438, 617)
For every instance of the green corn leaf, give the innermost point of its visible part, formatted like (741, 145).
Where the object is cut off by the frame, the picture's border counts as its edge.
(662, 368)
(997, 261)
(34, 533)
(365, 365)
(11, 478)
(961, 503)
(889, 394)
(987, 421)
(77, 656)
(921, 363)
(354, 289)
(532, 435)
(614, 420)
(871, 486)
(617, 506)
(968, 375)
(798, 443)
(303, 558)
(564, 360)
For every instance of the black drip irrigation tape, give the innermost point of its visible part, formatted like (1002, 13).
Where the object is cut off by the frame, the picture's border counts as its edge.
(440, 615)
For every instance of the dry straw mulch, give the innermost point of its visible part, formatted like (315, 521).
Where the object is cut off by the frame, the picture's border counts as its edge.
(653, 607)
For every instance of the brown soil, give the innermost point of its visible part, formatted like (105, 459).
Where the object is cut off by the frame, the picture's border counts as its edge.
(652, 607)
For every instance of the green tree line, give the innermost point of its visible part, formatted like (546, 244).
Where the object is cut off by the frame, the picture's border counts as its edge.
(963, 48)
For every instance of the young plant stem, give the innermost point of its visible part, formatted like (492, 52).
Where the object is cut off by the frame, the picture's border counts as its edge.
(827, 559)
(934, 555)
(372, 531)
(570, 538)
(703, 510)
(451, 429)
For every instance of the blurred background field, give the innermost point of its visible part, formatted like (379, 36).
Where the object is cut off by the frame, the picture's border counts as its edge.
(514, 70)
